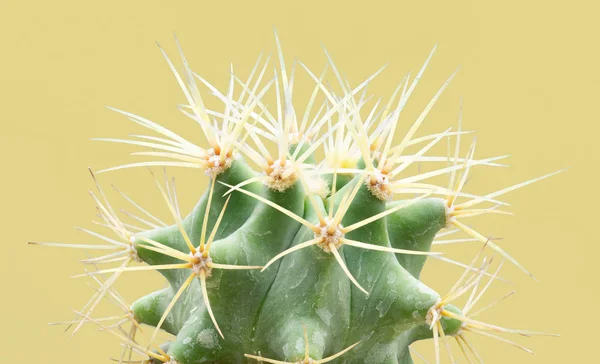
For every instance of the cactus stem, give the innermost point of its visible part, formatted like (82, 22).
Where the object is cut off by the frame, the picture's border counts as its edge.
(337, 295)
(325, 231)
(329, 233)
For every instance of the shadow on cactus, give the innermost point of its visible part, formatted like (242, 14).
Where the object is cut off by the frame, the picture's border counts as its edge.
(308, 244)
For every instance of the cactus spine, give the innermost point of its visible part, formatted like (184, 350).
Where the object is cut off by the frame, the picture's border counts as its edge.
(302, 261)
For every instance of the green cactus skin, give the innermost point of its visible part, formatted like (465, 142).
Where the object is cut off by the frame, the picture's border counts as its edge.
(307, 261)
(265, 312)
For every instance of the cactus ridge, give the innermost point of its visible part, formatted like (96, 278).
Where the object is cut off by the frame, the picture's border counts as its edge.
(308, 259)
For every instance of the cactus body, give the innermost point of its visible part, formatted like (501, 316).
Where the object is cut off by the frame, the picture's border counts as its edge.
(304, 261)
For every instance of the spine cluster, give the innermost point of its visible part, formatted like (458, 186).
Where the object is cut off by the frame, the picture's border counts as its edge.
(308, 244)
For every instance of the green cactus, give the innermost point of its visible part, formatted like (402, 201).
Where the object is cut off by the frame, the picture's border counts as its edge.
(303, 261)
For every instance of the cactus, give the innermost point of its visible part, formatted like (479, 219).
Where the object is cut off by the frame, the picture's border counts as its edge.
(302, 261)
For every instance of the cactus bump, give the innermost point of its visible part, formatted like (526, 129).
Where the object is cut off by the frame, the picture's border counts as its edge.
(308, 243)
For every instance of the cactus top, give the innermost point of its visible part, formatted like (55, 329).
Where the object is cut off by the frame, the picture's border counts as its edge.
(303, 258)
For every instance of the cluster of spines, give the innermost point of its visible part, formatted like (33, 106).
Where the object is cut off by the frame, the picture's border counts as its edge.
(358, 150)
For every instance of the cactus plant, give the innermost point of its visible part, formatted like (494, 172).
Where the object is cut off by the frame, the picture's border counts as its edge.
(310, 259)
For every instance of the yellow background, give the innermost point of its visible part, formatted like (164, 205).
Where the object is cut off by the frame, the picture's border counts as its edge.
(529, 80)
